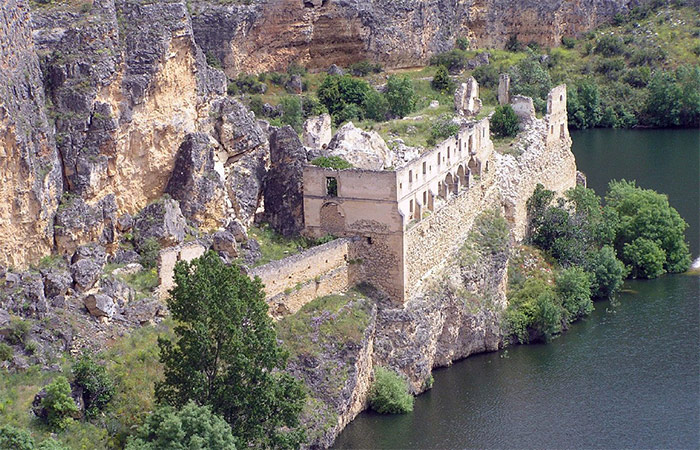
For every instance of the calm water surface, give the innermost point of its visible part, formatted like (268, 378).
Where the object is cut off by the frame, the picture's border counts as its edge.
(627, 376)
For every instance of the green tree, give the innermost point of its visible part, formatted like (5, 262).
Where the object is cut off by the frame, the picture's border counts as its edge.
(664, 100)
(192, 427)
(292, 113)
(689, 82)
(400, 95)
(13, 438)
(573, 287)
(389, 393)
(376, 106)
(58, 403)
(504, 121)
(583, 105)
(98, 387)
(644, 213)
(441, 81)
(608, 272)
(226, 355)
(530, 78)
(645, 258)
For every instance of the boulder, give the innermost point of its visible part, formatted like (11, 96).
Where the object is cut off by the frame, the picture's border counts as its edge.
(85, 273)
(125, 222)
(335, 70)
(23, 294)
(144, 311)
(90, 251)
(129, 269)
(225, 242)
(238, 230)
(100, 305)
(295, 85)
(434, 104)
(251, 252)
(196, 184)
(78, 223)
(56, 282)
(116, 290)
(123, 256)
(236, 128)
(467, 100)
(161, 221)
(283, 196)
(317, 131)
(244, 183)
(362, 149)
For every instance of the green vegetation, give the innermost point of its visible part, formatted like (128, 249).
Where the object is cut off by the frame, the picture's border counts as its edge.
(12, 438)
(504, 122)
(226, 355)
(60, 407)
(331, 162)
(441, 81)
(97, 385)
(6, 352)
(192, 427)
(275, 246)
(149, 251)
(389, 393)
(442, 128)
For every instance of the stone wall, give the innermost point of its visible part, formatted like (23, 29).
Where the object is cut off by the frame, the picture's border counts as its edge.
(292, 282)
(166, 264)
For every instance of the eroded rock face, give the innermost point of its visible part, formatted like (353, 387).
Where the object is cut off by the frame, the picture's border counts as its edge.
(161, 221)
(78, 223)
(196, 184)
(263, 36)
(30, 169)
(362, 149)
(236, 128)
(283, 189)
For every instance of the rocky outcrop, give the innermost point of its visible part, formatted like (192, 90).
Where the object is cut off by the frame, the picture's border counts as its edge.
(30, 169)
(362, 149)
(161, 221)
(263, 35)
(283, 193)
(78, 223)
(317, 131)
(467, 102)
(196, 184)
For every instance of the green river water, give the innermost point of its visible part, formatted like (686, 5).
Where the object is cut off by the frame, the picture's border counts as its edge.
(628, 376)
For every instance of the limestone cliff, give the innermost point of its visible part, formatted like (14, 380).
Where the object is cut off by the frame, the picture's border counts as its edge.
(30, 169)
(270, 34)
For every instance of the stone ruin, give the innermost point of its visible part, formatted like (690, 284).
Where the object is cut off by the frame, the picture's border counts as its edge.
(467, 102)
(504, 89)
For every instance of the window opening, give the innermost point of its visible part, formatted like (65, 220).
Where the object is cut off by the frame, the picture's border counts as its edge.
(331, 186)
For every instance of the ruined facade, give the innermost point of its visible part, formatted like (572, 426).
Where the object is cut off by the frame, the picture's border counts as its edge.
(409, 220)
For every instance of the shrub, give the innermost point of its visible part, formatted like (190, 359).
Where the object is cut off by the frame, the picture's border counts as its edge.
(490, 232)
(148, 252)
(213, 60)
(441, 81)
(296, 69)
(312, 107)
(443, 128)
(530, 77)
(13, 438)
(6, 352)
(573, 287)
(504, 121)
(487, 76)
(376, 106)
(292, 113)
(533, 310)
(389, 393)
(348, 113)
(19, 331)
(98, 387)
(364, 68)
(568, 42)
(513, 45)
(192, 427)
(462, 43)
(400, 95)
(331, 162)
(58, 403)
(608, 272)
(609, 46)
(454, 60)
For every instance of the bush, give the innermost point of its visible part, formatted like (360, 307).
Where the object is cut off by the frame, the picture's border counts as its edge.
(533, 310)
(13, 438)
(331, 162)
(349, 112)
(487, 76)
(364, 68)
(504, 121)
(462, 43)
(608, 272)
(149, 252)
(400, 95)
(58, 403)
(292, 113)
(98, 387)
(376, 106)
(389, 393)
(213, 60)
(609, 46)
(573, 287)
(455, 60)
(443, 128)
(192, 427)
(513, 45)
(530, 77)
(645, 258)
(19, 331)
(568, 42)
(441, 81)
(490, 232)
(6, 352)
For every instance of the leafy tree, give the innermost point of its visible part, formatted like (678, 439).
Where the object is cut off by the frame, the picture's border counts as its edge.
(533, 310)
(400, 95)
(376, 107)
(441, 81)
(487, 76)
(573, 287)
(504, 121)
(226, 355)
(13, 438)
(644, 213)
(530, 78)
(292, 112)
(689, 82)
(645, 257)
(192, 427)
(337, 93)
(350, 112)
(583, 105)
(608, 272)
(664, 100)
(389, 393)
(58, 403)
(98, 387)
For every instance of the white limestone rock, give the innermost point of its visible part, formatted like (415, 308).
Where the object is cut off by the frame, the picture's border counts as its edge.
(317, 131)
(362, 149)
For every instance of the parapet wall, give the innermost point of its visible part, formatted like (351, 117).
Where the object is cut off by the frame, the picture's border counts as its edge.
(292, 282)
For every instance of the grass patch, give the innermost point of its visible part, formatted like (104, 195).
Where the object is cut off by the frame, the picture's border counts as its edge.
(274, 246)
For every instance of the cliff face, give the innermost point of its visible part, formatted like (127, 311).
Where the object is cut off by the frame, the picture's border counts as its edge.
(270, 34)
(30, 169)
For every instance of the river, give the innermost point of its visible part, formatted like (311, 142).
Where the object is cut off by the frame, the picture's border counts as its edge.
(626, 376)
